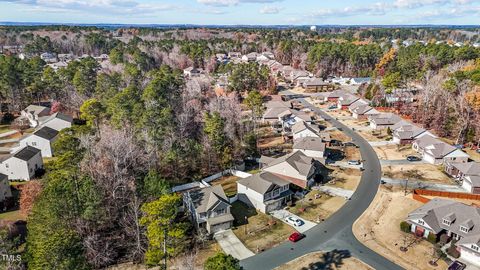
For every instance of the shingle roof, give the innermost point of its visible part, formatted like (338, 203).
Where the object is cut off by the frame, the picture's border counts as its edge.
(468, 168)
(205, 198)
(300, 126)
(26, 153)
(58, 115)
(309, 143)
(438, 209)
(262, 182)
(407, 132)
(361, 109)
(36, 109)
(385, 119)
(298, 160)
(46, 133)
(439, 150)
(474, 180)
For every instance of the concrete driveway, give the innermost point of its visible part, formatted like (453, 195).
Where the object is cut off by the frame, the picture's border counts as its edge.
(381, 143)
(344, 164)
(282, 214)
(334, 191)
(401, 162)
(232, 245)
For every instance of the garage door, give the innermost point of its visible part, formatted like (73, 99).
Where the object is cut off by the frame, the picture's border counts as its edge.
(220, 227)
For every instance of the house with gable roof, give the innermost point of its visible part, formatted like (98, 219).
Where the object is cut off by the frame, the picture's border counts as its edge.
(23, 164)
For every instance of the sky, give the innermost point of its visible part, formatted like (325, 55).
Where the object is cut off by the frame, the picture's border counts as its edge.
(247, 12)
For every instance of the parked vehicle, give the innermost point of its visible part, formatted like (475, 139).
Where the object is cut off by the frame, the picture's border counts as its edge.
(350, 144)
(413, 158)
(336, 143)
(354, 162)
(295, 237)
(294, 221)
(332, 107)
(456, 265)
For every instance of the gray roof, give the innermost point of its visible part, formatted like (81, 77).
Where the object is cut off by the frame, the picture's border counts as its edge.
(361, 109)
(474, 180)
(300, 126)
(357, 103)
(338, 94)
(309, 143)
(315, 82)
(426, 140)
(266, 160)
(58, 115)
(348, 99)
(262, 182)
(36, 109)
(460, 214)
(206, 198)
(385, 119)
(298, 160)
(439, 150)
(3, 177)
(468, 168)
(273, 113)
(46, 133)
(220, 219)
(407, 132)
(277, 104)
(26, 153)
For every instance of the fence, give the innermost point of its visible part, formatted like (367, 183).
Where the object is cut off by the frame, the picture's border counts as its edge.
(456, 195)
(420, 198)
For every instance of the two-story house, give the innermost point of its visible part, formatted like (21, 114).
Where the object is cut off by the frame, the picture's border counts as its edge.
(33, 113)
(209, 208)
(459, 221)
(23, 164)
(57, 121)
(264, 191)
(41, 139)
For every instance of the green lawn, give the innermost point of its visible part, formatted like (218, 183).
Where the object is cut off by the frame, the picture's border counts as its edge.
(12, 216)
(4, 128)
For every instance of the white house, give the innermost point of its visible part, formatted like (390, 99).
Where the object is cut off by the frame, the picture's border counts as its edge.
(457, 220)
(384, 120)
(264, 191)
(23, 164)
(33, 113)
(437, 152)
(41, 139)
(302, 130)
(57, 121)
(311, 146)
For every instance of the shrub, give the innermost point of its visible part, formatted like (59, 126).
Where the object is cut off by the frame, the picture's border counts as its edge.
(404, 226)
(452, 251)
(432, 238)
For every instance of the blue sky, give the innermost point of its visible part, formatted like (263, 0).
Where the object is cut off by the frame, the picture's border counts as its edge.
(264, 12)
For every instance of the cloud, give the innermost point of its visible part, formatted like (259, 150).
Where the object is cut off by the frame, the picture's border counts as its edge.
(418, 4)
(270, 10)
(225, 3)
(125, 7)
(376, 9)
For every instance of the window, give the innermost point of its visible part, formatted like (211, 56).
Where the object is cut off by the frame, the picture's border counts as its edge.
(34, 143)
(219, 212)
(446, 222)
(421, 222)
(6, 165)
(464, 229)
(475, 247)
(203, 215)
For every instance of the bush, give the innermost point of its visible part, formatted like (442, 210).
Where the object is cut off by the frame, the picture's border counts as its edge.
(452, 251)
(222, 261)
(405, 227)
(432, 238)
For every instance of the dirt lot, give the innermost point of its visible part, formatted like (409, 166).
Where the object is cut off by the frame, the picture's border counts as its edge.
(374, 135)
(352, 153)
(355, 123)
(338, 135)
(329, 260)
(261, 231)
(394, 152)
(316, 209)
(228, 183)
(425, 172)
(345, 178)
(379, 229)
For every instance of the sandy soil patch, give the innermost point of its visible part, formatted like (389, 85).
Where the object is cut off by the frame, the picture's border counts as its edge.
(354, 123)
(352, 153)
(394, 152)
(338, 135)
(473, 154)
(228, 183)
(322, 260)
(424, 172)
(374, 135)
(379, 229)
(345, 178)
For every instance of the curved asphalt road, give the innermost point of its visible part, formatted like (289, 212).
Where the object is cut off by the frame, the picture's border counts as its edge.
(336, 231)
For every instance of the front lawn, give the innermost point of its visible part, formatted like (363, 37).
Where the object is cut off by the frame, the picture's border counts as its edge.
(316, 206)
(258, 231)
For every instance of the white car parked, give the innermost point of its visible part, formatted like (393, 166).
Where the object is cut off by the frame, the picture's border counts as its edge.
(294, 221)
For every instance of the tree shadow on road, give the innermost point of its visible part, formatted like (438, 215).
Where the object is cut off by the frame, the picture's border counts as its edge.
(329, 261)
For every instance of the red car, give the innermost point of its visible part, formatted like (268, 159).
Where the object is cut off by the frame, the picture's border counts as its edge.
(296, 236)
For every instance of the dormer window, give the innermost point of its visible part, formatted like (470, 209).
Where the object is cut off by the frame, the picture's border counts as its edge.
(447, 222)
(421, 222)
(475, 247)
(464, 229)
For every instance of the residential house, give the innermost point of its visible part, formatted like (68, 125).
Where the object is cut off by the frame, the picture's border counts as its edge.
(345, 101)
(6, 198)
(468, 173)
(297, 168)
(359, 81)
(33, 113)
(264, 191)
(209, 208)
(49, 57)
(335, 95)
(273, 109)
(437, 152)
(358, 102)
(302, 130)
(384, 120)
(296, 74)
(251, 57)
(58, 65)
(102, 57)
(65, 57)
(459, 221)
(269, 55)
(406, 134)
(191, 72)
(290, 117)
(41, 139)
(311, 146)
(57, 121)
(317, 84)
(363, 112)
(23, 164)
(234, 55)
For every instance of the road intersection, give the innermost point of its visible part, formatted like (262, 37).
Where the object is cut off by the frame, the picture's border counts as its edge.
(335, 233)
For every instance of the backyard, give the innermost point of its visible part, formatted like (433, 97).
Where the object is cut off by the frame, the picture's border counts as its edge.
(228, 183)
(316, 206)
(258, 231)
(379, 229)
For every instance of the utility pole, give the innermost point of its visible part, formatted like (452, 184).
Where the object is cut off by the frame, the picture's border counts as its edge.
(406, 185)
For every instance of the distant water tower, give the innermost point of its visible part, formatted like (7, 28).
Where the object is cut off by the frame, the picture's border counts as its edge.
(313, 28)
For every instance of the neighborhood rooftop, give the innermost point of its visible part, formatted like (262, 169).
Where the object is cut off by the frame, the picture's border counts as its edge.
(46, 133)
(26, 153)
(262, 182)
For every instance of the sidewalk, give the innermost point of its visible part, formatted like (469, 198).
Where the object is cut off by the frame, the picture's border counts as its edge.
(381, 143)
(334, 191)
(232, 245)
(282, 214)
(401, 162)
(419, 184)
(344, 164)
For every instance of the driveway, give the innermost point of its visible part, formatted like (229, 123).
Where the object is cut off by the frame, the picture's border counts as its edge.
(282, 214)
(401, 162)
(334, 191)
(381, 143)
(419, 184)
(344, 164)
(336, 231)
(232, 245)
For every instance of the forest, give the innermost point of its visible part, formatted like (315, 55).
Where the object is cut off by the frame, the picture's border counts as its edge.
(143, 128)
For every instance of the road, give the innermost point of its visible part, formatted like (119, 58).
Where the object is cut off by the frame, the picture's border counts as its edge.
(336, 231)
